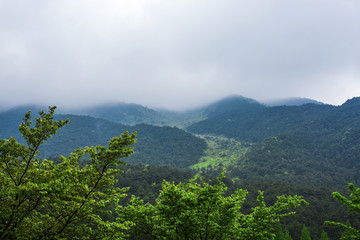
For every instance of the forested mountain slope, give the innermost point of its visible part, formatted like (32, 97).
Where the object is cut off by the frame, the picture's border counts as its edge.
(325, 151)
(254, 124)
(156, 145)
(10, 120)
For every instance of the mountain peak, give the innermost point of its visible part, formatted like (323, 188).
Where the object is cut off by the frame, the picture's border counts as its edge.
(352, 102)
(232, 103)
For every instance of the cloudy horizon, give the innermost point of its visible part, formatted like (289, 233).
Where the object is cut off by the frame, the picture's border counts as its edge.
(177, 54)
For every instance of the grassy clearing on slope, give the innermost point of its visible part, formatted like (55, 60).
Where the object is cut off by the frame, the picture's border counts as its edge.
(221, 150)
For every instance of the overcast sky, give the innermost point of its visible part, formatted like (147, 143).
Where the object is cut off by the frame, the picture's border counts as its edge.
(177, 54)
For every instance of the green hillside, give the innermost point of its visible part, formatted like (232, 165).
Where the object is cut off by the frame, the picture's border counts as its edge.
(321, 152)
(255, 124)
(10, 120)
(156, 145)
(220, 152)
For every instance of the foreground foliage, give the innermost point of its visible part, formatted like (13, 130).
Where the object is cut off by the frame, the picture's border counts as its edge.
(193, 211)
(42, 200)
(353, 205)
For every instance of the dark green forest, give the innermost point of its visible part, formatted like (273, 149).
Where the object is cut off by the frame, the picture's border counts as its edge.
(156, 145)
(310, 150)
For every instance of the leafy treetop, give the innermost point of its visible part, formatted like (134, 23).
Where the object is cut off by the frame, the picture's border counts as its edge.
(42, 200)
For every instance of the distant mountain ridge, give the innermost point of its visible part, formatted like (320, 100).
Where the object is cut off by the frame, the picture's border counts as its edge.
(292, 102)
(132, 114)
(124, 113)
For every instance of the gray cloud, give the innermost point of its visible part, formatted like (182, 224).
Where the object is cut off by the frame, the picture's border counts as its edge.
(177, 54)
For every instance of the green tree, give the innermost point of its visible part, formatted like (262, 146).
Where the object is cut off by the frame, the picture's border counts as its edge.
(279, 234)
(347, 234)
(305, 234)
(193, 211)
(287, 235)
(324, 235)
(43, 200)
(353, 205)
